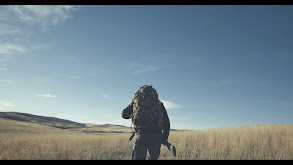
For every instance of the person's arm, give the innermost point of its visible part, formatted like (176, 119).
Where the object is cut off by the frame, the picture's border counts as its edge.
(166, 124)
(127, 112)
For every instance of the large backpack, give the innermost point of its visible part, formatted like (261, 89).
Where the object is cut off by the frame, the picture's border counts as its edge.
(146, 108)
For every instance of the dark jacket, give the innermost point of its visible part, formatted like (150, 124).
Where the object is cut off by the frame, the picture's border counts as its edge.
(127, 114)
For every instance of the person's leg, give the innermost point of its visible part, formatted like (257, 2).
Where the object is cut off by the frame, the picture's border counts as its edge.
(154, 146)
(139, 150)
(154, 150)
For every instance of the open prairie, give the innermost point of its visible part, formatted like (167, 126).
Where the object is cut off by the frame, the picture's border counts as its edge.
(22, 140)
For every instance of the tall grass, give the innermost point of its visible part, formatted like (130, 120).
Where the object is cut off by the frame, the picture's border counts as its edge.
(257, 142)
(68, 146)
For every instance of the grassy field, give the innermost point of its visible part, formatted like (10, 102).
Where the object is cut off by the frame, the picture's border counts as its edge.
(20, 140)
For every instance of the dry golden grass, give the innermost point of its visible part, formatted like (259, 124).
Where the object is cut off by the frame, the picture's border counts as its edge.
(22, 141)
(255, 142)
(70, 146)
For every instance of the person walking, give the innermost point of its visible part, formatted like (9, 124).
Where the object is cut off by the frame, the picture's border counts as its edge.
(151, 123)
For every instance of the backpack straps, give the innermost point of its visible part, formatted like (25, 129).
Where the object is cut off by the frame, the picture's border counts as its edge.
(131, 137)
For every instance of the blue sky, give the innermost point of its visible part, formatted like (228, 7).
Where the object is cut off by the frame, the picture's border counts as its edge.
(212, 66)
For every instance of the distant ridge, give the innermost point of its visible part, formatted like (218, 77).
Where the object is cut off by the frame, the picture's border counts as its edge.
(42, 120)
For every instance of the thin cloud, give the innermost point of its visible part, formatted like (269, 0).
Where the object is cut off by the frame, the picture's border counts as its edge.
(7, 81)
(149, 68)
(46, 95)
(107, 97)
(10, 48)
(171, 105)
(44, 15)
(180, 118)
(16, 35)
(3, 69)
(40, 46)
(9, 30)
(6, 103)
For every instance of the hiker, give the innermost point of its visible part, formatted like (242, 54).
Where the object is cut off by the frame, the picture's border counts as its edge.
(151, 123)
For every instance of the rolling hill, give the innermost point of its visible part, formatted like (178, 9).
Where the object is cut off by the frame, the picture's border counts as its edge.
(18, 120)
(41, 120)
